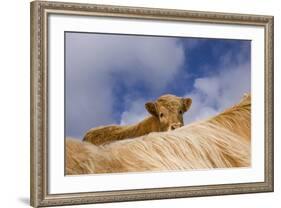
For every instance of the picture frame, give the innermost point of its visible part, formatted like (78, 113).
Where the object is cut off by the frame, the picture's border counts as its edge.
(40, 104)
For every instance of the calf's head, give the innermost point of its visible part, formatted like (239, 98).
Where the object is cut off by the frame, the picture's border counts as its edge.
(169, 109)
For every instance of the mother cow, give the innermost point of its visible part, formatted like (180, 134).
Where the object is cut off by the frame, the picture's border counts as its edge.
(166, 114)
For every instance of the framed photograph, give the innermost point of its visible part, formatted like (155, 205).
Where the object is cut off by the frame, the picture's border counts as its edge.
(142, 103)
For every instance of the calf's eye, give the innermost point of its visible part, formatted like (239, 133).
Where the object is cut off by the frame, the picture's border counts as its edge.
(161, 115)
(180, 112)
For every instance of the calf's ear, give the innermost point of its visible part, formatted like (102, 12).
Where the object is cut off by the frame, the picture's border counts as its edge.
(186, 104)
(151, 108)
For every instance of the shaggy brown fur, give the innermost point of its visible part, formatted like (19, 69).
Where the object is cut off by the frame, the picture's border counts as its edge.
(217, 142)
(166, 114)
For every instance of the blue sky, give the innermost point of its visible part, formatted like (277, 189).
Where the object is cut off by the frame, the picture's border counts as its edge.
(109, 77)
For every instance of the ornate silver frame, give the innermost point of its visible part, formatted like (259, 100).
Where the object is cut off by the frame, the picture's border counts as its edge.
(39, 103)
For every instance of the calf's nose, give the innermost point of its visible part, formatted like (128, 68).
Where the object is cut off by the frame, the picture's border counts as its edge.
(175, 126)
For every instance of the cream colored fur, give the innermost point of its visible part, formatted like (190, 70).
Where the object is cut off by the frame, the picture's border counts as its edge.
(222, 141)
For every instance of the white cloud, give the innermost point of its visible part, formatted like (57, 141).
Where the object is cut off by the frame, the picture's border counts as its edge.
(135, 113)
(210, 95)
(215, 93)
(209, 86)
(93, 61)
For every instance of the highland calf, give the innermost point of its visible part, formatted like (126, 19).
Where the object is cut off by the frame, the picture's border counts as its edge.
(222, 141)
(166, 114)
